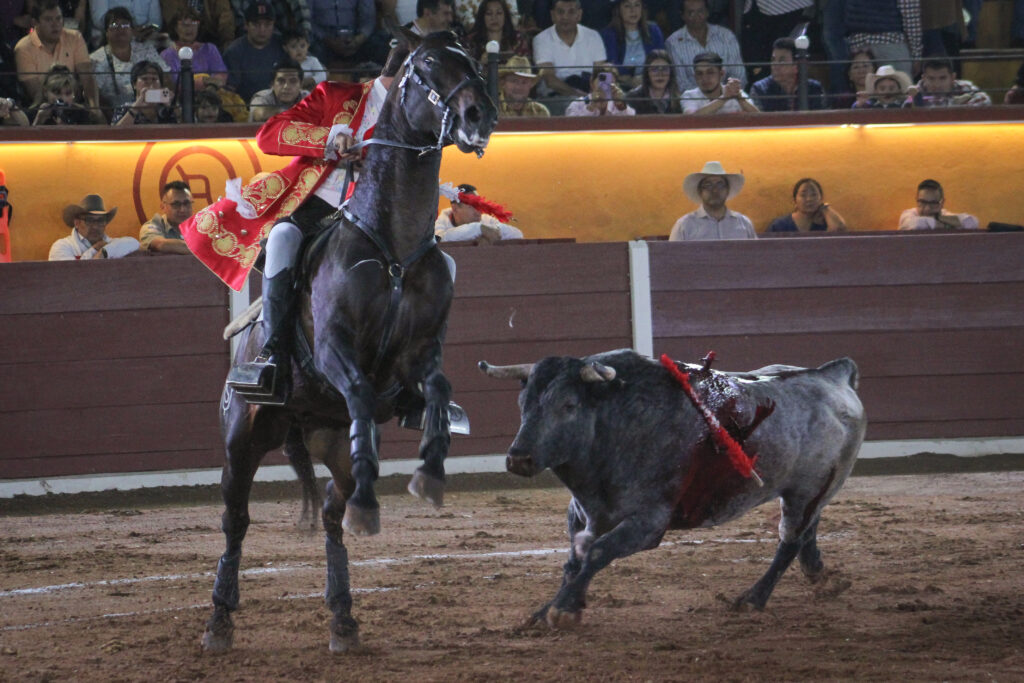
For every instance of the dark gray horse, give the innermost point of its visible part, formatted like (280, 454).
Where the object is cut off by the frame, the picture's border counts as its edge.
(374, 313)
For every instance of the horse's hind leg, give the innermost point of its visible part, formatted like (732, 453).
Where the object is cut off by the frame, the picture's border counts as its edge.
(338, 595)
(301, 461)
(810, 557)
(428, 480)
(244, 452)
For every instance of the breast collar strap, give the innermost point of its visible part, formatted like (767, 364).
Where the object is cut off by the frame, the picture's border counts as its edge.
(396, 271)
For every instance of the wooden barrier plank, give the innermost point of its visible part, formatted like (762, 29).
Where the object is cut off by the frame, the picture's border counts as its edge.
(541, 269)
(878, 354)
(502, 319)
(930, 398)
(837, 261)
(109, 430)
(156, 333)
(109, 463)
(850, 309)
(66, 385)
(945, 429)
(118, 284)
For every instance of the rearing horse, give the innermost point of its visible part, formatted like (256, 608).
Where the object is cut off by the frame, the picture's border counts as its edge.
(374, 313)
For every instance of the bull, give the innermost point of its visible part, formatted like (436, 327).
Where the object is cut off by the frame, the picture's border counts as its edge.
(637, 455)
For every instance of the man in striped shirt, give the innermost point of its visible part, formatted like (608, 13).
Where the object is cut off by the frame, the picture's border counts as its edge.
(697, 37)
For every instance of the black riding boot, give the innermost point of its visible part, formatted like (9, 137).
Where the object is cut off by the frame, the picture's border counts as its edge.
(265, 379)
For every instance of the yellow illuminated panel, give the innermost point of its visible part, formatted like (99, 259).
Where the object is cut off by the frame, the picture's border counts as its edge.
(606, 186)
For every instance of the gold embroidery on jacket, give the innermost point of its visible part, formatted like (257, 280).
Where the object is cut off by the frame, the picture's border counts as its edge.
(265, 191)
(298, 134)
(224, 242)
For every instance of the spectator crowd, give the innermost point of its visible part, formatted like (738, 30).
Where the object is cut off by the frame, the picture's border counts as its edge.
(116, 61)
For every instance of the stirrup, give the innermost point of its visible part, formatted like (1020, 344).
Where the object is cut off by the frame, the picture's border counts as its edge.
(458, 421)
(257, 383)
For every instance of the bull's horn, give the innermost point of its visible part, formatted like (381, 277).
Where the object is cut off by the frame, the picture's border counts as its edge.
(521, 371)
(595, 372)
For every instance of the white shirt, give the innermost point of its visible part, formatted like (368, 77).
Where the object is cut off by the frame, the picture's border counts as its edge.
(330, 189)
(912, 220)
(683, 47)
(75, 247)
(578, 107)
(694, 99)
(449, 232)
(569, 60)
(698, 225)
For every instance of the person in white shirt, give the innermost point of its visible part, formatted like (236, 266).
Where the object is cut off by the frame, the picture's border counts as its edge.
(712, 187)
(605, 97)
(699, 36)
(88, 221)
(463, 222)
(565, 51)
(711, 96)
(930, 212)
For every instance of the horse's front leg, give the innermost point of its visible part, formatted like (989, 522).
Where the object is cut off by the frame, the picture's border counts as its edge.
(336, 359)
(428, 480)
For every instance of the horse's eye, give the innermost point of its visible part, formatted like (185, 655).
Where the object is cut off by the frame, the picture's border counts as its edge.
(429, 60)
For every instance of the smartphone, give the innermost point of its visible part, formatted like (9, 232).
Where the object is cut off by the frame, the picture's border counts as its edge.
(162, 96)
(604, 82)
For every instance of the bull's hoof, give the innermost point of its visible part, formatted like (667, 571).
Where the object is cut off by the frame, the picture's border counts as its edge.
(344, 642)
(220, 632)
(361, 521)
(563, 621)
(427, 487)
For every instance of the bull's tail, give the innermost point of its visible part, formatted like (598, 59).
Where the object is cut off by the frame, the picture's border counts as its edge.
(840, 370)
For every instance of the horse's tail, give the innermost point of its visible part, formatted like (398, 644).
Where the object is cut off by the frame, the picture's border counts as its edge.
(247, 317)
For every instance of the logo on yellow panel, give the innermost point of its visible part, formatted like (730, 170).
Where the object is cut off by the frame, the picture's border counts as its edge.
(205, 166)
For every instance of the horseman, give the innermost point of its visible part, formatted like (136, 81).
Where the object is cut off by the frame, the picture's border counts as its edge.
(286, 207)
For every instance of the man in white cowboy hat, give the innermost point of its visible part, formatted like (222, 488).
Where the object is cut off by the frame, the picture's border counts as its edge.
(88, 221)
(517, 79)
(887, 88)
(712, 187)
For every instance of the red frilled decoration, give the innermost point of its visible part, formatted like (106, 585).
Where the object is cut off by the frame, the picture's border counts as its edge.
(741, 462)
(484, 205)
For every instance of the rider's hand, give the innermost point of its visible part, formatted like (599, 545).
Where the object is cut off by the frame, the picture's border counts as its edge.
(341, 143)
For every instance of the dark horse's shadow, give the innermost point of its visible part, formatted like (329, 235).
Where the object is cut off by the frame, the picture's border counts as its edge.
(374, 312)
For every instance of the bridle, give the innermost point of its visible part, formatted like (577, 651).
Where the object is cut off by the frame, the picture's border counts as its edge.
(412, 74)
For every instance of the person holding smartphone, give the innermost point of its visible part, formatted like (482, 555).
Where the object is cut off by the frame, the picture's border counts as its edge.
(153, 101)
(605, 98)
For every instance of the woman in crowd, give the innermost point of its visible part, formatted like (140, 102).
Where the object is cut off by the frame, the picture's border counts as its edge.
(207, 62)
(112, 62)
(605, 98)
(467, 15)
(887, 88)
(810, 212)
(59, 104)
(494, 22)
(658, 92)
(153, 103)
(862, 63)
(209, 108)
(629, 38)
(1015, 95)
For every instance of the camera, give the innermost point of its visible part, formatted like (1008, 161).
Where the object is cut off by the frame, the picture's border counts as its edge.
(162, 96)
(59, 103)
(604, 82)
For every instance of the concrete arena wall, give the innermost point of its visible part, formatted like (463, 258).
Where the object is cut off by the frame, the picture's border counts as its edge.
(591, 185)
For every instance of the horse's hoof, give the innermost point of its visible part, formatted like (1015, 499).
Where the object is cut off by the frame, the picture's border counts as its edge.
(744, 603)
(361, 521)
(563, 621)
(342, 643)
(429, 488)
(216, 643)
(220, 632)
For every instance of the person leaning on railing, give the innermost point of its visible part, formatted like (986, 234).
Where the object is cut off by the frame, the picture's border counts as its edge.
(58, 103)
(658, 93)
(516, 80)
(810, 211)
(887, 88)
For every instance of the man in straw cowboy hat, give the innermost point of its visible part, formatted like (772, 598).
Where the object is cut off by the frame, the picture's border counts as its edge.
(517, 79)
(887, 88)
(88, 221)
(712, 187)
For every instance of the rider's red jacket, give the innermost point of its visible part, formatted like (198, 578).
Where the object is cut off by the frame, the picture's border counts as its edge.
(226, 235)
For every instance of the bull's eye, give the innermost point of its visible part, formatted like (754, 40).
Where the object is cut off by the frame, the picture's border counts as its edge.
(569, 407)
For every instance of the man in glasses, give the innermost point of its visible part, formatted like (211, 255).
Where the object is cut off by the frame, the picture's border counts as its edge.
(712, 187)
(930, 212)
(161, 233)
(88, 221)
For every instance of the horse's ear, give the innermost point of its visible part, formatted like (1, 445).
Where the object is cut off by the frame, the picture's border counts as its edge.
(413, 39)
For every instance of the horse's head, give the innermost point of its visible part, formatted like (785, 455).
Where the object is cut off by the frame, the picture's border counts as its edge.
(443, 94)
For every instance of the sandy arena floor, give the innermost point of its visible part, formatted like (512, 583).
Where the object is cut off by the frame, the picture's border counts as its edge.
(928, 585)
